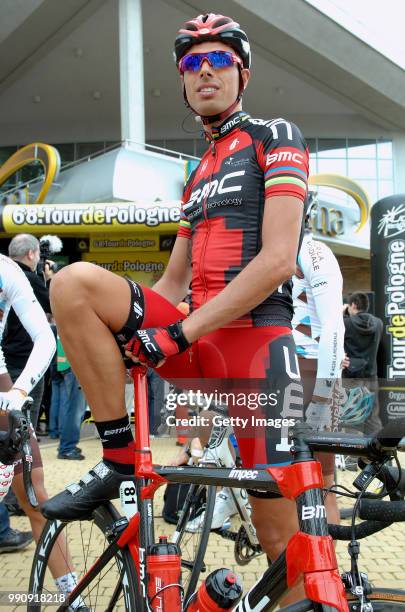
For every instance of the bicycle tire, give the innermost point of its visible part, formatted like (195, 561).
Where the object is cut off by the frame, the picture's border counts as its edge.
(383, 600)
(193, 552)
(120, 590)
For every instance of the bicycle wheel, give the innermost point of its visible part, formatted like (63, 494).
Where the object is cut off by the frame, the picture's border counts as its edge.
(73, 548)
(383, 600)
(387, 600)
(193, 544)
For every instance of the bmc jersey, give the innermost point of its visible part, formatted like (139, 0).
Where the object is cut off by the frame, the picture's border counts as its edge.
(16, 291)
(318, 327)
(248, 161)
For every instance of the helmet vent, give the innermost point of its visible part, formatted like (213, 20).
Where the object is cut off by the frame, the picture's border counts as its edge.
(221, 22)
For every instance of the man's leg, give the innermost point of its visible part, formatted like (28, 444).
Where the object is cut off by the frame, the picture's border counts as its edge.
(54, 413)
(72, 415)
(275, 521)
(89, 303)
(4, 520)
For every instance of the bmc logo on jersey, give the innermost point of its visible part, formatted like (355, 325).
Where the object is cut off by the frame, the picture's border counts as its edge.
(284, 156)
(216, 187)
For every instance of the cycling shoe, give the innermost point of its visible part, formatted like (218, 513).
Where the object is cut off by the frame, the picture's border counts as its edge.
(79, 500)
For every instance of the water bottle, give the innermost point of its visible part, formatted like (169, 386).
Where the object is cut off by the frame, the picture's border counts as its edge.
(164, 570)
(221, 590)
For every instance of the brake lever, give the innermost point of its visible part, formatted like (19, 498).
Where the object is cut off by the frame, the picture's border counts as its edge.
(26, 454)
(22, 430)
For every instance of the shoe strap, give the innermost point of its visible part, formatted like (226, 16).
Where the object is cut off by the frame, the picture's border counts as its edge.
(100, 471)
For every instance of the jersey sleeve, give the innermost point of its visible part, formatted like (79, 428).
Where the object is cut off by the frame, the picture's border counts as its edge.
(19, 294)
(322, 272)
(184, 230)
(3, 366)
(283, 156)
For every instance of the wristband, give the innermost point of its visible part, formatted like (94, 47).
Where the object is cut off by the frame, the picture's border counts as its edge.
(176, 333)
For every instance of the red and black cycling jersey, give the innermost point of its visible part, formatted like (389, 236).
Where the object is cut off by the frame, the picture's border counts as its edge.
(247, 161)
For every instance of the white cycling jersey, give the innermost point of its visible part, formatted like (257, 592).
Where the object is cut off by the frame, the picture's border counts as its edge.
(16, 291)
(318, 326)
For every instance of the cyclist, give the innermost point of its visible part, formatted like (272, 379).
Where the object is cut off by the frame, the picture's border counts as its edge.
(238, 240)
(318, 331)
(16, 292)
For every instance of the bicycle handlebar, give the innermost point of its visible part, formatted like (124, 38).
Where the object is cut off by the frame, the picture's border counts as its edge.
(17, 440)
(385, 511)
(362, 530)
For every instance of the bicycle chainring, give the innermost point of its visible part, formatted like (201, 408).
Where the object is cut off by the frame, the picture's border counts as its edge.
(244, 552)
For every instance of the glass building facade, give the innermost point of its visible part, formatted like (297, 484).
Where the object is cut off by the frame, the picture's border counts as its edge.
(367, 161)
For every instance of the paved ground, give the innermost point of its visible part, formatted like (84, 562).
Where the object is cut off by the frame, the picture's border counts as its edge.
(383, 555)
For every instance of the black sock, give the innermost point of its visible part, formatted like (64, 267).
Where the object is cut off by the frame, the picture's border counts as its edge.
(118, 444)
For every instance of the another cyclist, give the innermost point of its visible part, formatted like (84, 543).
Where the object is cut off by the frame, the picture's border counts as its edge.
(318, 331)
(238, 240)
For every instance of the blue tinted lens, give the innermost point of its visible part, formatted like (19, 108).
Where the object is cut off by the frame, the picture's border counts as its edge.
(220, 59)
(217, 59)
(191, 62)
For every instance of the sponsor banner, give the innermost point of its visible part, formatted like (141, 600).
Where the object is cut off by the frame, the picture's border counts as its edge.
(388, 283)
(144, 268)
(123, 243)
(90, 218)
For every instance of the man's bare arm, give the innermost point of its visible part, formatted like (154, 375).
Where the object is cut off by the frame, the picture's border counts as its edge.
(177, 277)
(274, 264)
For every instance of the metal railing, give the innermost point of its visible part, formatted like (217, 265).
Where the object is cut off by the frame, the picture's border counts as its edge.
(87, 158)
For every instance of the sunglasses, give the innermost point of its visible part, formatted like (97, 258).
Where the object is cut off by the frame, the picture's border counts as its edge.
(192, 62)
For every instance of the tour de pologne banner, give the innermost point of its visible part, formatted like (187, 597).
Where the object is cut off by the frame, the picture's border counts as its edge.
(85, 219)
(144, 268)
(388, 282)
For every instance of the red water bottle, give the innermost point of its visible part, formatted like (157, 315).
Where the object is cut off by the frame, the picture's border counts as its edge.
(164, 570)
(220, 591)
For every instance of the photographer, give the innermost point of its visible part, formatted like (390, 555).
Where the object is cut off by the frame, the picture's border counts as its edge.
(28, 252)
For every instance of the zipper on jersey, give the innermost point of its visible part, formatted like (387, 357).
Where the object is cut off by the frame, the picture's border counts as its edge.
(204, 206)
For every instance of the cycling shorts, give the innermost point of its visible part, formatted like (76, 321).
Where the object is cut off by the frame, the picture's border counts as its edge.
(36, 455)
(242, 362)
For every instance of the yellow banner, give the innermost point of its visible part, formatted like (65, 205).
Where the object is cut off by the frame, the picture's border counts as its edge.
(90, 218)
(144, 268)
(123, 243)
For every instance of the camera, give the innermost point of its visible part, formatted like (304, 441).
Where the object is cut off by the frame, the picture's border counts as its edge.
(48, 245)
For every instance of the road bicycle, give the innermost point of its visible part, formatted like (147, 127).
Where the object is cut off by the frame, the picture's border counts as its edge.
(148, 573)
